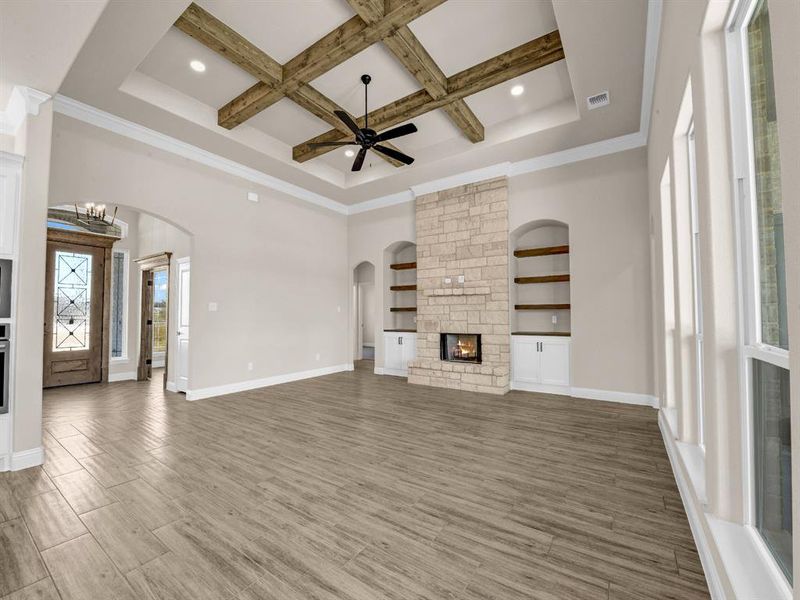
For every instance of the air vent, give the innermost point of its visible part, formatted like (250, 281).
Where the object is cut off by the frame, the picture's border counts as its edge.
(598, 100)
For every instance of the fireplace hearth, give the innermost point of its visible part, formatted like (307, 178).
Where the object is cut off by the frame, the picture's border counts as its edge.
(461, 347)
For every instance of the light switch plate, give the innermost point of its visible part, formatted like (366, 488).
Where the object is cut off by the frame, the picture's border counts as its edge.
(252, 196)
(460, 279)
(448, 281)
(212, 307)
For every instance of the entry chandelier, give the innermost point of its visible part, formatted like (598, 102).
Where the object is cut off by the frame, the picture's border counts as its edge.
(94, 214)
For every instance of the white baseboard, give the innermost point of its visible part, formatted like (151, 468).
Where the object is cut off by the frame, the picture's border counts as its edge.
(252, 384)
(171, 387)
(130, 376)
(394, 372)
(27, 459)
(541, 388)
(378, 371)
(5, 463)
(607, 396)
(350, 367)
(732, 556)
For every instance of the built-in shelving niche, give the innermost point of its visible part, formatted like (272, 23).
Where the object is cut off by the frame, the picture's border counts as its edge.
(400, 296)
(540, 279)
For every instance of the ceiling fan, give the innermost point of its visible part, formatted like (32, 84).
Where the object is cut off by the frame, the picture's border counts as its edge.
(369, 138)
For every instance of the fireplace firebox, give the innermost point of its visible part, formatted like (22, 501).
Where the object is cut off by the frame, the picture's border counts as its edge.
(461, 347)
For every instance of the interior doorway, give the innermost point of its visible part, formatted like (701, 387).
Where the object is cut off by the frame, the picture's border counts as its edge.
(76, 311)
(364, 302)
(154, 338)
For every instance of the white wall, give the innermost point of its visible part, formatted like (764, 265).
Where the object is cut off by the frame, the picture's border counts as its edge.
(32, 141)
(277, 269)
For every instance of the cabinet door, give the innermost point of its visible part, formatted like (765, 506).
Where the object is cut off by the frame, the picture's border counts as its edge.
(554, 358)
(409, 349)
(392, 352)
(525, 359)
(9, 179)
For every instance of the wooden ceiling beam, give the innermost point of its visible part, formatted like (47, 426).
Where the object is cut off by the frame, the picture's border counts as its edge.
(533, 55)
(416, 59)
(217, 36)
(342, 43)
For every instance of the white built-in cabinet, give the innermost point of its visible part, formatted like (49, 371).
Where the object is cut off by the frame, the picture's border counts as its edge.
(540, 363)
(398, 349)
(10, 173)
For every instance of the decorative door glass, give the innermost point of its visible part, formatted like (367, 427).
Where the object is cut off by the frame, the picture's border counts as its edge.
(72, 301)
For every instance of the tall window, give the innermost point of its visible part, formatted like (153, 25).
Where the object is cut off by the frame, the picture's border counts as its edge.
(118, 304)
(160, 279)
(766, 339)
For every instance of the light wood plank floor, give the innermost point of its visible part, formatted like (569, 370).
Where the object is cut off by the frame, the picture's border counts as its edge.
(350, 486)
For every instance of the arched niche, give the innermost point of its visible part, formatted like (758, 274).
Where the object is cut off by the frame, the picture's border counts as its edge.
(532, 277)
(400, 283)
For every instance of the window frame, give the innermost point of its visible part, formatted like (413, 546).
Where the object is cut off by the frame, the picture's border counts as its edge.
(750, 344)
(125, 301)
(697, 280)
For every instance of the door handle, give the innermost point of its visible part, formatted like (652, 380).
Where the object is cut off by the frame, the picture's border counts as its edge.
(400, 341)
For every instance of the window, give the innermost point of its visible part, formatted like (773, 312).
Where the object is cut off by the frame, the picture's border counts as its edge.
(72, 302)
(696, 282)
(765, 343)
(160, 278)
(119, 304)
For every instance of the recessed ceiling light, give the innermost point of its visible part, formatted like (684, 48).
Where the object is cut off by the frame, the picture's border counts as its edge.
(349, 153)
(517, 90)
(197, 66)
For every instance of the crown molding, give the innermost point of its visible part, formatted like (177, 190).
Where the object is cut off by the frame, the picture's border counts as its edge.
(22, 102)
(104, 120)
(445, 183)
(382, 202)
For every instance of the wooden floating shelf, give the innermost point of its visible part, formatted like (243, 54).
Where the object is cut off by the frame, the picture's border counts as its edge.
(403, 288)
(542, 279)
(403, 309)
(403, 266)
(400, 330)
(541, 307)
(546, 251)
(543, 333)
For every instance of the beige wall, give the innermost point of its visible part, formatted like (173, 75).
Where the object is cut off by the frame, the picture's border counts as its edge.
(368, 235)
(277, 269)
(604, 202)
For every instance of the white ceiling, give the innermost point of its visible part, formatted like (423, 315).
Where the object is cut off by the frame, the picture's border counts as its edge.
(150, 82)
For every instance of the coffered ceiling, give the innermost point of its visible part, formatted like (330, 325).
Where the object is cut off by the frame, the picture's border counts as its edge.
(135, 65)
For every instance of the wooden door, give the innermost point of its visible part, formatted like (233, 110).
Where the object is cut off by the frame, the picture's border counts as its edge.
(145, 368)
(74, 314)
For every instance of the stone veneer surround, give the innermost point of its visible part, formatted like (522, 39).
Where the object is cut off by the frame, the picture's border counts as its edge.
(463, 231)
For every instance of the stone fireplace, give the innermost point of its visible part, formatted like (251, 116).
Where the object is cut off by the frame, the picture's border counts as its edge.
(462, 289)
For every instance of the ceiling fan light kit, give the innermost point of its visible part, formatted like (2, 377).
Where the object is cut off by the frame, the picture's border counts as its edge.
(369, 139)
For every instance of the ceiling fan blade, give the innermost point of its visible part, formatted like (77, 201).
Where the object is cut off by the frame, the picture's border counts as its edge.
(396, 132)
(347, 120)
(313, 144)
(403, 158)
(359, 159)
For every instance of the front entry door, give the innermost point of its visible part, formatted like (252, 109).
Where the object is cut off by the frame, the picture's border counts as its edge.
(73, 315)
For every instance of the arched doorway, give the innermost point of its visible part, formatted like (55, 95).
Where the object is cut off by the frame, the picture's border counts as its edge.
(364, 302)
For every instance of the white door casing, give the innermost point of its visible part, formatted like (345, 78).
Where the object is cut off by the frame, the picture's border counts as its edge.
(182, 345)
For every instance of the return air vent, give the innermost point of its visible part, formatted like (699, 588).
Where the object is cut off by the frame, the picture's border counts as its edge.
(598, 100)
